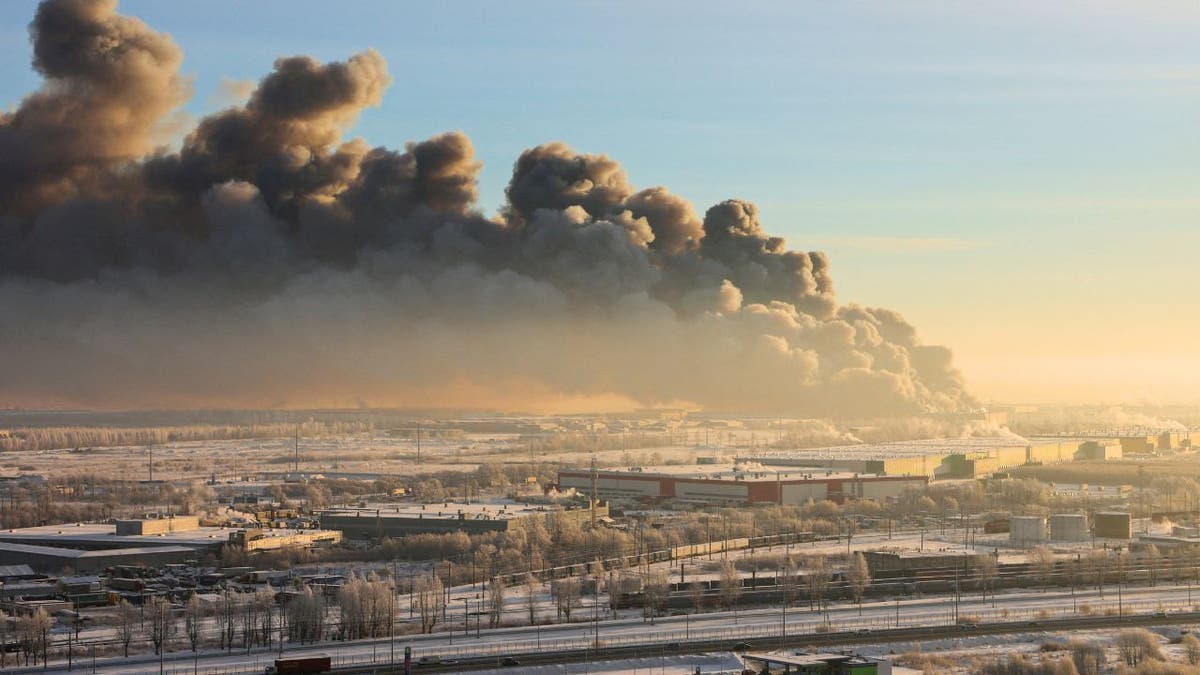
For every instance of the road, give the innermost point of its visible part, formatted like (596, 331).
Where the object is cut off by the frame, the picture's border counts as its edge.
(620, 636)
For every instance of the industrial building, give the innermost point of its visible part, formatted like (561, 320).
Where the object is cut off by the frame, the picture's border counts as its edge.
(939, 458)
(1100, 450)
(148, 526)
(376, 521)
(917, 561)
(53, 560)
(736, 484)
(181, 531)
(1149, 442)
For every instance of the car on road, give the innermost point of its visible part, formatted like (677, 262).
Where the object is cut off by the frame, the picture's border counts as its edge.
(509, 661)
(1160, 613)
(742, 647)
(429, 661)
(862, 631)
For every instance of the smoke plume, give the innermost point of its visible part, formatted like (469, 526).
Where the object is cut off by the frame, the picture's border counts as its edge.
(270, 259)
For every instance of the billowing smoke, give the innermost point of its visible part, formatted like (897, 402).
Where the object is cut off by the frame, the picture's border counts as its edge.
(270, 260)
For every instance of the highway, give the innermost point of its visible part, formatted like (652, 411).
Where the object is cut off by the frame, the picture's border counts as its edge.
(878, 621)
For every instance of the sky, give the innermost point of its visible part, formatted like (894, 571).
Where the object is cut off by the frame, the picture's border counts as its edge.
(1018, 180)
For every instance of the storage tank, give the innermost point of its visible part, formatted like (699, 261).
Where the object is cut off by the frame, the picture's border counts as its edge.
(1114, 525)
(1027, 529)
(1068, 527)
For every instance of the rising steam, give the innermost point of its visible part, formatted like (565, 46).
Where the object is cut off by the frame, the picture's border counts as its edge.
(270, 260)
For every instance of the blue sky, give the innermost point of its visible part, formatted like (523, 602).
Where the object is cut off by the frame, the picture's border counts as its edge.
(1019, 180)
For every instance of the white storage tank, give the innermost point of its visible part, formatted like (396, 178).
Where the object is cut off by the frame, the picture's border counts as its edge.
(1025, 530)
(1069, 527)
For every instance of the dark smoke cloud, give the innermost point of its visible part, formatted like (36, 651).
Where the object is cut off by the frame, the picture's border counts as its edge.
(270, 259)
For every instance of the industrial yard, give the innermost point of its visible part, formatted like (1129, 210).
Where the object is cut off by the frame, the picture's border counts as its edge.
(627, 522)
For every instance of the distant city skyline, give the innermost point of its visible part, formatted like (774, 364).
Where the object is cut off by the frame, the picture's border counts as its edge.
(1018, 180)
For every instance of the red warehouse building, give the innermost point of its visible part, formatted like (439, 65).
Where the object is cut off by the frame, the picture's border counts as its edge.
(736, 484)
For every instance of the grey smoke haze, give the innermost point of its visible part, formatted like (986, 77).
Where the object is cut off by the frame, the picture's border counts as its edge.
(270, 259)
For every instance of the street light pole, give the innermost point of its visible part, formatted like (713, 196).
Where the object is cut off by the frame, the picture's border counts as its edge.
(1120, 583)
(466, 617)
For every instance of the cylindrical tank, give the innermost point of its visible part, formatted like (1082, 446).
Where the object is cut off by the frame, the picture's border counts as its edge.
(1068, 527)
(1027, 529)
(1114, 525)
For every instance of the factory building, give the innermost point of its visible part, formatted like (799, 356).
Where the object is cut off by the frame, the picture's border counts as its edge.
(163, 532)
(737, 484)
(53, 560)
(148, 526)
(1099, 450)
(394, 520)
(940, 458)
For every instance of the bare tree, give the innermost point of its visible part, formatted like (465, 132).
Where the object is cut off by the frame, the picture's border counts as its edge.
(1088, 657)
(696, 593)
(789, 579)
(429, 594)
(227, 619)
(613, 588)
(127, 623)
(495, 601)
(264, 599)
(1135, 645)
(655, 591)
(1041, 559)
(1191, 648)
(731, 585)
(305, 617)
(816, 580)
(34, 630)
(193, 619)
(532, 587)
(1097, 567)
(858, 574)
(1153, 558)
(985, 567)
(162, 623)
(3, 638)
(566, 596)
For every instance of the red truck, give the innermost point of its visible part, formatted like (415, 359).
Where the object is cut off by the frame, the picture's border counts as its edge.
(297, 665)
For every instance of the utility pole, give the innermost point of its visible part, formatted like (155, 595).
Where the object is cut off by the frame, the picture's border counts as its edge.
(956, 593)
(150, 449)
(418, 444)
(593, 501)
(296, 451)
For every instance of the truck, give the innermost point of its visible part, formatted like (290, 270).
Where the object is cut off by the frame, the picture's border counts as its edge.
(297, 665)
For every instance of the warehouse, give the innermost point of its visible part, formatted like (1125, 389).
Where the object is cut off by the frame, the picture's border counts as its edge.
(918, 561)
(972, 457)
(51, 560)
(939, 458)
(376, 521)
(737, 484)
(162, 532)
